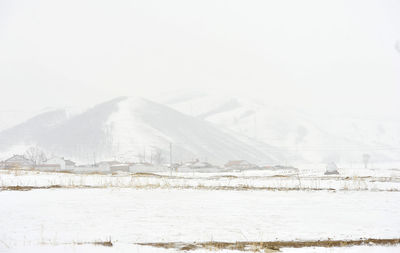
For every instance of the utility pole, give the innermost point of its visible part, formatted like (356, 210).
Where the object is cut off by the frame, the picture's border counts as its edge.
(170, 159)
(255, 125)
(170, 154)
(151, 155)
(94, 158)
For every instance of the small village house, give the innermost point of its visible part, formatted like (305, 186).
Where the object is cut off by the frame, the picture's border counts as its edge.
(143, 167)
(240, 165)
(57, 164)
(106, 165)
(331, 169)
(120, 167)
(196, 165)
(17, 162)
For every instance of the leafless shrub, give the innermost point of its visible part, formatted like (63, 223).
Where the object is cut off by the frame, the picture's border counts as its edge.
(35, 155)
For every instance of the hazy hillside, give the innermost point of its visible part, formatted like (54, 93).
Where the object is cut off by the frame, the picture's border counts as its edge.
(132, 129)
(204, 127)
(314, 137)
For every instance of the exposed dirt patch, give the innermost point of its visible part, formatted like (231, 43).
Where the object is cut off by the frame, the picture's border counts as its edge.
(147, 174)
(99, 243)
(106, 243)
(28, 188)
(272, 246)
(103, 243)
(223, 176)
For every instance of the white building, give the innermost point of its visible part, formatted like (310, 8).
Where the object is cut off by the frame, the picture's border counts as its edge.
(240, 165)
(331, 169)
(145, 167)
(196, 165)
(106, 165)
(59, 164)
(124, 167)
(17, 162)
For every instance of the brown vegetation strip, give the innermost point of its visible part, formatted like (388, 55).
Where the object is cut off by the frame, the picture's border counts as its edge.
(270, 246)
(189, 187)
(151, 186)
(28, 188)
(107, 243)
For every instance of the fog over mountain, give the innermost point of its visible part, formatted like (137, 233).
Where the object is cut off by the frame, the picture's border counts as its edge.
(195, 126)
(275, 81)
(315, 137)
(205, 127)
(337, 56)
(129, 129)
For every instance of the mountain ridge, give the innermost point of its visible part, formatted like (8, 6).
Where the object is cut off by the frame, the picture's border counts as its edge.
(127, 128)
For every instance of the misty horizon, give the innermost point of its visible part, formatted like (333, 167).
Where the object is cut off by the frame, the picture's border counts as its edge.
(339, 57)
(213, 126)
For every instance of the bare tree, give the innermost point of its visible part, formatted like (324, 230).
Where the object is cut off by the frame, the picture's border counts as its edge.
(366, 158)
(35, 155)
(157, 156)
(141, 157)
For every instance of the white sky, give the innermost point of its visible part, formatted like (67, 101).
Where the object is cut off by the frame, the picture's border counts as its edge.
(334, 55)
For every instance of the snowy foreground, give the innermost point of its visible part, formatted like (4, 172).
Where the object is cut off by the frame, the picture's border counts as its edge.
(195, 207)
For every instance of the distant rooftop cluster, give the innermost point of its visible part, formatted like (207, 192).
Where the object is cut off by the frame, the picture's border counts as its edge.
(60, 164)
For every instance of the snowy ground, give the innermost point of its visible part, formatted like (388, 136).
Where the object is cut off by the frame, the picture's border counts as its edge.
(57, 220)
(348, 180)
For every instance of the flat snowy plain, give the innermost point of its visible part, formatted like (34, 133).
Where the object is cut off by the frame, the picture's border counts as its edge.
(196, 207)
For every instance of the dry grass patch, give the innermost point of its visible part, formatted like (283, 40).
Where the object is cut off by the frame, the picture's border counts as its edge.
(272, 246)
(105, 243)
(147, 174)
(28, 188)
(184, 187)
(222, 176)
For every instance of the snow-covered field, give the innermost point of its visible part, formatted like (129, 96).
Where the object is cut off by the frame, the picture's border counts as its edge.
(197, 207)
(350, 179)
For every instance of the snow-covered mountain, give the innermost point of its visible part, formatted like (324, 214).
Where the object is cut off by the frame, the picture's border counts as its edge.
(205, 127)
(132, 129)
(304, 136)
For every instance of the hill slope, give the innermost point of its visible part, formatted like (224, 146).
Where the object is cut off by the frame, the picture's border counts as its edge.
(132, 129)
(306, 137)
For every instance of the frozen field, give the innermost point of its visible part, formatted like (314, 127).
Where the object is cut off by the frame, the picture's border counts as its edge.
(64, 212)
(60, 217)
(314, 180)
